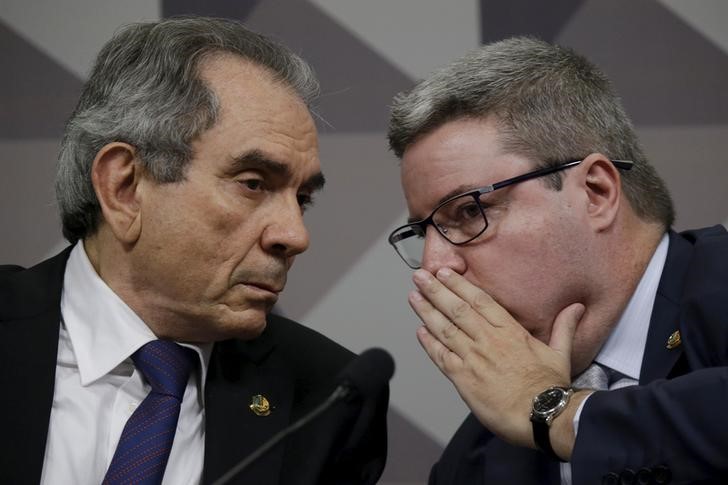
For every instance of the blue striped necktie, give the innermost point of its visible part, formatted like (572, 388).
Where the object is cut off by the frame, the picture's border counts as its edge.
(143, 450)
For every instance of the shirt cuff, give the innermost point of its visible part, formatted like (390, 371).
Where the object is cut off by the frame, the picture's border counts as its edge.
(578, 414)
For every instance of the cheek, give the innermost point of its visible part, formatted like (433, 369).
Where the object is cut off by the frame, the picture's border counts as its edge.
(524, 268)
(199, 223)
(188, 243)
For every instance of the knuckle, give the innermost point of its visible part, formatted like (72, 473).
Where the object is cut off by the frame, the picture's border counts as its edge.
(481, 302)
(459, 310)
(450, 331)
(441, 355)
(449, 364)
(472, 366)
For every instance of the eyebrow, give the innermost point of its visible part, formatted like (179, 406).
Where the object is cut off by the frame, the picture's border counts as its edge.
(257, 160)
(314, 183)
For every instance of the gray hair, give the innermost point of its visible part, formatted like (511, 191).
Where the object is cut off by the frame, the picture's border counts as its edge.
(145, 90)
(551, 105)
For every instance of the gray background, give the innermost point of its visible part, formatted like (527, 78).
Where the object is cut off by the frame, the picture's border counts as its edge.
(668, 59)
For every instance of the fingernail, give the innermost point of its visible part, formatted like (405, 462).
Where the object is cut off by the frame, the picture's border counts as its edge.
(444, 273)
(421, 276)
(415, 295)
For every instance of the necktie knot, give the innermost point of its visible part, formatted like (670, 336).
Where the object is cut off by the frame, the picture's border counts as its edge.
(596, 376)
(166, 366)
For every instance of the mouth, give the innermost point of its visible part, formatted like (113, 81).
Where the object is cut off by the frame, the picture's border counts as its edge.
(267, 290)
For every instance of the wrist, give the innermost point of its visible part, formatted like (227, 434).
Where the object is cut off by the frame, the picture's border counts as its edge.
(548, 405)
(562, 433)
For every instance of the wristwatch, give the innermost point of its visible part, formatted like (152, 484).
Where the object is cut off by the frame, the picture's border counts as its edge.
(546, 406)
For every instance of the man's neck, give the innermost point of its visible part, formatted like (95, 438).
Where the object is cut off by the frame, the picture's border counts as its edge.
(625, 261)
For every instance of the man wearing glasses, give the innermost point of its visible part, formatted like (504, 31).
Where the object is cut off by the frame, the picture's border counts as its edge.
(546, 273)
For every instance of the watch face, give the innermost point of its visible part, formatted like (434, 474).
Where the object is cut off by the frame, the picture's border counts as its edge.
(548, 400)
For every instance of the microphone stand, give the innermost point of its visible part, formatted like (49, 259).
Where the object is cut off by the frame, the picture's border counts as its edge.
(340, 392)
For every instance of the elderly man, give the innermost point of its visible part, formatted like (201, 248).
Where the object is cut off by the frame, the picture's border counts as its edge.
(547, 273)
(144, 353)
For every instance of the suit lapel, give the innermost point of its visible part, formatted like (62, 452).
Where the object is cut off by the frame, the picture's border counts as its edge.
(239, 371)
(658, 360)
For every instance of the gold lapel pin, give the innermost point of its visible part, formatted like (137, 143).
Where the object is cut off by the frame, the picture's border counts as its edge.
(259, 405)
(674, 340)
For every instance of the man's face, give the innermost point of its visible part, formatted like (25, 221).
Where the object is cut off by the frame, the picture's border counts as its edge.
(530, 257)
(215, 248)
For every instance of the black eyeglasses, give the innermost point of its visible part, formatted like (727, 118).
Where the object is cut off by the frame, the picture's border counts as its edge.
(461, 218)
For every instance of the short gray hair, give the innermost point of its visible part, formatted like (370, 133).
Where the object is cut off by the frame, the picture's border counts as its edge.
(551, 105)
(145, 90)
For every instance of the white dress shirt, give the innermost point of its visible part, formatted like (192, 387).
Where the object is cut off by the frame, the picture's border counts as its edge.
(97, 387)
(624, 349)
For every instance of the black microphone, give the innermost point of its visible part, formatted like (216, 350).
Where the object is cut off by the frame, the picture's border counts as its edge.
(364, 377)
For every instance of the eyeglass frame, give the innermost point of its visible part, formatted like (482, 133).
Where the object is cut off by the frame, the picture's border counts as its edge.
(476, 194)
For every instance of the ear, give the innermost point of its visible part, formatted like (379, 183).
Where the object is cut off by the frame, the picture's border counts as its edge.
(603, 185)
(116, 173)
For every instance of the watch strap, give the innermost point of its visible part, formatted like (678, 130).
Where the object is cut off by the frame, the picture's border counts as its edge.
(541, 419)
(543, 440)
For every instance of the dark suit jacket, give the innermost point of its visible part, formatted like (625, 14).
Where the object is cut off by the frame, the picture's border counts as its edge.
(673, 426)
(293, 366)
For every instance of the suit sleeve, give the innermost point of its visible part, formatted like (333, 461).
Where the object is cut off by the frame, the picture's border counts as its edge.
(677, 429)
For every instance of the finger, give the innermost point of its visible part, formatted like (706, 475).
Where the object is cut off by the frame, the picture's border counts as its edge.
(448, 362)
(449, 304)
(443, 329)
(562, 333)
(480, 301)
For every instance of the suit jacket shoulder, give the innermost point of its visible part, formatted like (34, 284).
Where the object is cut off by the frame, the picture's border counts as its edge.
(672, 423)
(30, 317)
(316, 357)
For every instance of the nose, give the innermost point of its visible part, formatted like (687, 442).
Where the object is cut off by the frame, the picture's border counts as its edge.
(286, 234)
(440, 253)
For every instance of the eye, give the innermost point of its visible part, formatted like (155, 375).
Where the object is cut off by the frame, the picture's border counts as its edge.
(458, 212)
(253, 184)
(468, 211)
(305, 201)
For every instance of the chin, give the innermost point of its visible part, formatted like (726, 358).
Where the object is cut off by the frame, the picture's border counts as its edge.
(249, 332)
(247, 326)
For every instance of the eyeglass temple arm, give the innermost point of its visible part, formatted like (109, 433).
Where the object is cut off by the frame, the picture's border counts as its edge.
(621, 164)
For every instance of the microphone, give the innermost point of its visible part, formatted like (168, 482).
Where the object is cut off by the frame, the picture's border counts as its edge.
(367, 374)
(364, 377)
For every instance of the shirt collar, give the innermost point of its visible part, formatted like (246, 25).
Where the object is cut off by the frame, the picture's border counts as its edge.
(103, 330)
(625, 347)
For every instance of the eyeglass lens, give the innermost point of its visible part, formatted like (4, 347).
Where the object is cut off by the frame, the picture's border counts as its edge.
(459, 221)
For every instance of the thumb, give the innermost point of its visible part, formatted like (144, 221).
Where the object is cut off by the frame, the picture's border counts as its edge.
(562, 333)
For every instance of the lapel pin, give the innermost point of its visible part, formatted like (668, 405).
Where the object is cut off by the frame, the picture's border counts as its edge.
(674, 340)
(259, 405)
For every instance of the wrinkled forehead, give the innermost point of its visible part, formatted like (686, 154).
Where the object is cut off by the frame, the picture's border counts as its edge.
(261, 123)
